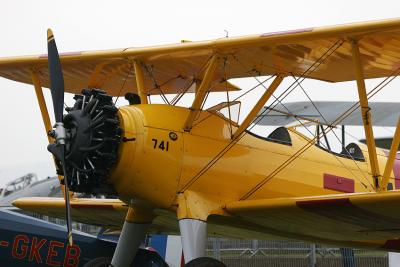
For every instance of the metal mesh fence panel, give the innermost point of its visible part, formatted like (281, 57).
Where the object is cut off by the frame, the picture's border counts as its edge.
(257, 253)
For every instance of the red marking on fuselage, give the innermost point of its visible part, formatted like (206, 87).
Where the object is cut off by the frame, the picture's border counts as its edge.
(182, 260)
(396, 169)
(20, 247)
(35, 249)
(392, 244)
(268, 34)
(72, 254)
(338, 183)
(32, 249)
(66, 54)
(396, 172)
(91, 207)
(52, 253)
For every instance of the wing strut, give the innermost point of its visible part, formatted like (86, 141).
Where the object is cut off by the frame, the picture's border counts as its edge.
(140, 82)
(253, 113)
(45, 115)
(42, 104)
(391, 157)
(366, 114)
(201, 93)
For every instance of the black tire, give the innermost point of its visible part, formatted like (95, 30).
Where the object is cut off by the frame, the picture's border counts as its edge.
(205, 262)
(143, 258)
(147, 258)
(99, 262)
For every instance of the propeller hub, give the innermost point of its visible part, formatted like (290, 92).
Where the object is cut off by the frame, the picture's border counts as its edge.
(59, 133)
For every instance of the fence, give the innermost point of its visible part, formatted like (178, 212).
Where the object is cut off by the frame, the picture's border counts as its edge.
(257, 253)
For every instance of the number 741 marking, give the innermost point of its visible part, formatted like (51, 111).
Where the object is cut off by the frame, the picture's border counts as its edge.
(163, 145)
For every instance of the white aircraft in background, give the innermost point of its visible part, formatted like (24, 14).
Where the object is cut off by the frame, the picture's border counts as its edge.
(29, 186)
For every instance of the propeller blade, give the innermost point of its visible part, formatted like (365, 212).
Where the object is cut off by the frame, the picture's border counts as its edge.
(57, 94)
(66, 197)
(56, 77)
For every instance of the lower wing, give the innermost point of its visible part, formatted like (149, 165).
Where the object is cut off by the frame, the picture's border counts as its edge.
(370, 220)
(107, 213)
(358, 220)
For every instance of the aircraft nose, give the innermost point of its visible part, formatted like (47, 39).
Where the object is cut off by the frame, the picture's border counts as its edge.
(93, 135)
(124, 171)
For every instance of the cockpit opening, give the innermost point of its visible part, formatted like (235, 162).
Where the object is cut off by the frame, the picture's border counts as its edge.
(18, 184)
(280, 135)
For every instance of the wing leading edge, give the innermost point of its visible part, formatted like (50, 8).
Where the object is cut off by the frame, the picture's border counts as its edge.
(176, 66)
(101, 212)
(107, 213)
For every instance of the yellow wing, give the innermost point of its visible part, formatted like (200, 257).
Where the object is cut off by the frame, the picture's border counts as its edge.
(370, 220)
(108, 213)
(358, 220)
(174, 67)
(102, 212)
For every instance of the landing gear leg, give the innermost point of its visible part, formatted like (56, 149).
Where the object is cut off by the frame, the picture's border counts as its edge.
(132, 235)
(194, 238)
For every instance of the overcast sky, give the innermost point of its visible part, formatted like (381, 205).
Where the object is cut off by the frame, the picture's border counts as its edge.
(87, 25)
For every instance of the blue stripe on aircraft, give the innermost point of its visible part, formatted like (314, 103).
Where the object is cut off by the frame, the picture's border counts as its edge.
(159, 243)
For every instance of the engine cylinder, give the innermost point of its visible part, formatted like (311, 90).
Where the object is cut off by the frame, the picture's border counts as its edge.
(93, 138)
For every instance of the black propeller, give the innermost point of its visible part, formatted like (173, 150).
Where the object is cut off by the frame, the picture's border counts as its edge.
(57, 94)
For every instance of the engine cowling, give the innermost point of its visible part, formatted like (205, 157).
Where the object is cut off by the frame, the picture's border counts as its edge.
(93, 135)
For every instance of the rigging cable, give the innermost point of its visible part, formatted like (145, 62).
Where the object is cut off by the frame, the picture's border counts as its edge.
(315, 65)
(164, 83)
(324, 135)
(178, 96)
(194, 80)
(235, 99)
(124, 82)
(149, 70)
(326, 140)
(307, 146)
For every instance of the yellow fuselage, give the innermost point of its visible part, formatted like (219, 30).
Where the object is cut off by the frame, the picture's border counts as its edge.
(164, 160)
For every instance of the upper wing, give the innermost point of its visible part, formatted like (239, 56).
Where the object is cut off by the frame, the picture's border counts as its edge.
(385, 113)
(362, 219)
(173, 67)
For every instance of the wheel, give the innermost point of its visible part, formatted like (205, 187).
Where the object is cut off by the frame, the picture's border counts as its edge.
(147, 258)
(205, 262)
(99, 262)
(143, 258)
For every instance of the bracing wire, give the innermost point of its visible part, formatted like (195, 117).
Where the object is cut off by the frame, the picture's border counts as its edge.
(312, 68)
(149, 70)
(337, 158)
(370, 94)
(124, 82)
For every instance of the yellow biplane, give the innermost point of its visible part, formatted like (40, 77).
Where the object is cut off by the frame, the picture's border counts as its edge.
(194, 171)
